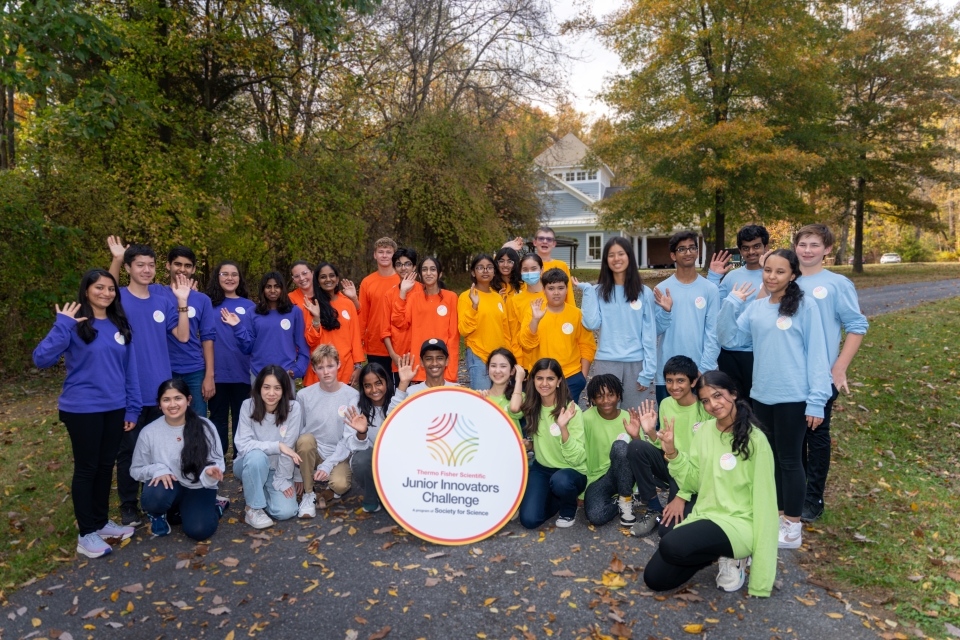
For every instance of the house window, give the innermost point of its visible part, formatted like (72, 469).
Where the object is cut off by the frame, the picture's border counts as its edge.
(558, 176)
(570, 176)
(592, 175)
(581, 175)
(594, 246)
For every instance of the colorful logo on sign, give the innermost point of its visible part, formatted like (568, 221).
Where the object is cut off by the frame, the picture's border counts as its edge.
(452, 440)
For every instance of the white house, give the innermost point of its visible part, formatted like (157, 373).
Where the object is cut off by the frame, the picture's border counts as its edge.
(569, 194)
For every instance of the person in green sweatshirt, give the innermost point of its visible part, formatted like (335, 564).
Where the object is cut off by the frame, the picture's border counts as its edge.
(730, 467)
(686, 412)
(558, 472)
(607, 433)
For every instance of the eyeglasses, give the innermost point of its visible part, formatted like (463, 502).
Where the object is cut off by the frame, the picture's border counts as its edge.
(506, 262)
(488, 267)
(224, 274)
(545, 239)
(405, 264)
(692, 249)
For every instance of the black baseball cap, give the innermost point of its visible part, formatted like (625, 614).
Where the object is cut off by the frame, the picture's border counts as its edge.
(434, 344)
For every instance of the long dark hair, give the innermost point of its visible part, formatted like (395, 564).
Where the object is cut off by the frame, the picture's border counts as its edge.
(632, 284)
(790, 302)
(283, 304)
(436, 263)
(216, 292)
(512, 359)
(514, 279)
(329, 318)
(476, 260)
(745, 422)
(366, 407)
(115, 313)
(532, 404)
(259, 406)
(195, 455)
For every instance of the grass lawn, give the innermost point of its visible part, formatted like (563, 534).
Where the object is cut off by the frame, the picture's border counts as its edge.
(892, 525)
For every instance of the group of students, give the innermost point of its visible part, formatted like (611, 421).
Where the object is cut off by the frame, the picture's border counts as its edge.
(673, 376)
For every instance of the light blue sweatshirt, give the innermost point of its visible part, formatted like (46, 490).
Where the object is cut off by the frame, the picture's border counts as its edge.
(628, 330)
(839, 307)
(794, 366)
(693, 330)
(726, 284)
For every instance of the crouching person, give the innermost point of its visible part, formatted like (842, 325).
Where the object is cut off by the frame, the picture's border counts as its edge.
(321, 446)
(179, 461)
(269, 426)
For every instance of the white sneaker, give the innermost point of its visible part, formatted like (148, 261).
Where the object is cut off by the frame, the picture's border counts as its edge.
(791, 535)
(336, 496)
(114, 530)
(308, 507)
(732, 573)
(564, 523)
(627, 519)
(258, 519)
(92, 545)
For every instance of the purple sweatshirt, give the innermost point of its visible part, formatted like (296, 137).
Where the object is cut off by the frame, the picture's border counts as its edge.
(276, 338)
(187, 357)
(151, 320)
(101, 376)
(230, 364)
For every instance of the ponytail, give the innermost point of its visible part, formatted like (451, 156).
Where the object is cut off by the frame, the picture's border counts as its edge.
(790, 302)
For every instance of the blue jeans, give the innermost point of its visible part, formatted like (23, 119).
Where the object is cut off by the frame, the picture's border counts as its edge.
(550, 491)
(195, 382)
(477, 368)
(576, 384)
(254, 472)
(198, 507)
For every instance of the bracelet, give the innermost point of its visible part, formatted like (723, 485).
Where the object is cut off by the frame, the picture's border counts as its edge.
(183, 309)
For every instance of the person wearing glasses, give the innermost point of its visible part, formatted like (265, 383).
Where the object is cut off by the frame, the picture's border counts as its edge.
(545, 241)
(482, 320)
(395, 339)
(507, 280)
(690, 327)
(737, 360)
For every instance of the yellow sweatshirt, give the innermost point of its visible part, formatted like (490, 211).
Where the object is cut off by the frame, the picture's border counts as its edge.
(485, 328)
(517, 305)
(560, 336)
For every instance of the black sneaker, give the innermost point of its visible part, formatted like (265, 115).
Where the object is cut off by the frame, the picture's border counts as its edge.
(174, 517)
(811, 512)
(129, 517)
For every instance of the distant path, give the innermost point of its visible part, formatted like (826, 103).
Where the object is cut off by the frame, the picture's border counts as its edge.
(895, 297)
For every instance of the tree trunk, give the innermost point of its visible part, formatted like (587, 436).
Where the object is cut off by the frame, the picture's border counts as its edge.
(858, 226)
(719, 222)
(4, 161)
(841, 256)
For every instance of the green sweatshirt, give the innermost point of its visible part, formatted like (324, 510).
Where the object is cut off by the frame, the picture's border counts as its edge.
(739, 496)
(686, 422)
(504, 403)
(551, 452)
(599, 436)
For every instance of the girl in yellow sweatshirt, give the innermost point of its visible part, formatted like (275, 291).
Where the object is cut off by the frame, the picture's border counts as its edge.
(482, 320)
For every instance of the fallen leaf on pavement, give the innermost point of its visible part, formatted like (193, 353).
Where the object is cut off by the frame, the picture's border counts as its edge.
(438, 554)
(93, 613)
(382, 529)
(693, 628)
(379, 635)
(835, 616)
(132, 588)
(335, 531)
(565, 573)
(432, 582)
(218, 611)
(616, 565)
(621, 630)
(229, 562)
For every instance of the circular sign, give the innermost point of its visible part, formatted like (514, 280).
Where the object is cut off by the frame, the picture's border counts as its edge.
(119, 338)
(567, 328)
(700, 302)
(636, 305)
(285, 324)
(241, 311)
(442, 310)
(784, 323)
(191, 312)
(820, 293)
(345, 315)
(158, 316)
(728, 461)
(449, 466)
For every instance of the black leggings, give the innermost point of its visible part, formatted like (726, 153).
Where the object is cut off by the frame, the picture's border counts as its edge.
(786, 425)
(95, 438)
(224, 404)
(683, 552)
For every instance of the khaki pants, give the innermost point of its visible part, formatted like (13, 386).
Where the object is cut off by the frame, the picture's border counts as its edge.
(341, 476)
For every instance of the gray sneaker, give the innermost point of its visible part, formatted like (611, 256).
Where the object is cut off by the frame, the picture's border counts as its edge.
(645, 524)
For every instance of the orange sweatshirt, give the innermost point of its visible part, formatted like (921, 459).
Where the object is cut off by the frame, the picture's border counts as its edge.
(296, 297)
(560, 264)
(485, 329)
(346, 339)
(517, 306)
(560, 336)
(373, 299)
(399, 337)
(423, 317)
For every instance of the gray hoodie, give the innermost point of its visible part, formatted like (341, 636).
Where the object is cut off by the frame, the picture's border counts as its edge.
(323, 414)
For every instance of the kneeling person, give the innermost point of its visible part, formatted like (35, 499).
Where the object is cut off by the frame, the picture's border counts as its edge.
(606, 430)
(322, 443)
(684, 412)
(179, 460)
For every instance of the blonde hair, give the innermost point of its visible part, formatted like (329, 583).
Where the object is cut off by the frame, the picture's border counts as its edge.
(385, 242)
(324, 351)
(821, 231)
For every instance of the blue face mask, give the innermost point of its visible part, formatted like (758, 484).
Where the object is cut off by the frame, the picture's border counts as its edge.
(531, 277)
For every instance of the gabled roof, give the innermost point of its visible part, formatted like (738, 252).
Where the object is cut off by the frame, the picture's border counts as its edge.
(563, 186)
(569, 151)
